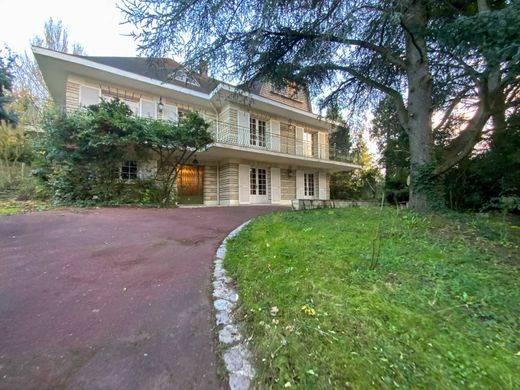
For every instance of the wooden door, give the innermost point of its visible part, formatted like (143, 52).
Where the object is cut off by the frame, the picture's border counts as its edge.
(190, 185)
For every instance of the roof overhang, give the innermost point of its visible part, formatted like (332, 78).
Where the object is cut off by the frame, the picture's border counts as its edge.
(56, 67)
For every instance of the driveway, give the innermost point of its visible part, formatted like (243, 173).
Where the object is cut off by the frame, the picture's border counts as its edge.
(111, 298)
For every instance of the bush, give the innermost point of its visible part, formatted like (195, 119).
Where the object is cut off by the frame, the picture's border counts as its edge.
(31, 189)
(79, 154)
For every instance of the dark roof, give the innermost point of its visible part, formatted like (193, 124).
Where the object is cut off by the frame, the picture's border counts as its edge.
(162, 69)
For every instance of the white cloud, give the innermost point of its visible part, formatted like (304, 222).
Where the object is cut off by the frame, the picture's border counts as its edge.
(95, 24)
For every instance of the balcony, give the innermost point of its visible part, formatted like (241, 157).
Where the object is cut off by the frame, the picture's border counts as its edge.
(226, 133)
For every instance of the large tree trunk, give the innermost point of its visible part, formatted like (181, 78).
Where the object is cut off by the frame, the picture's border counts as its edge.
(419, 103)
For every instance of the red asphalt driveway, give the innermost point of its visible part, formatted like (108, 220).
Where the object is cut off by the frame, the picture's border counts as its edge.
(111, 298)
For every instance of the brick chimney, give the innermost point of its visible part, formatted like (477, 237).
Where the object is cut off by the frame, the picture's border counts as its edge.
(203, 68)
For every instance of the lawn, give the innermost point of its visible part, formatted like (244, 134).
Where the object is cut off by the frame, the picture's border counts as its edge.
(440, 309)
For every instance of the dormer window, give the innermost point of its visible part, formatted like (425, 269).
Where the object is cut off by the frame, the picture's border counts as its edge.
(186, 78)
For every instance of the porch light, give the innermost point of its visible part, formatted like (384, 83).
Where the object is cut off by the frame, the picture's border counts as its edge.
(195, 162)
(160, 106)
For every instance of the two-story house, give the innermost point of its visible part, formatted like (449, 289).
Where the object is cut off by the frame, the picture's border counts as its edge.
(270, 148)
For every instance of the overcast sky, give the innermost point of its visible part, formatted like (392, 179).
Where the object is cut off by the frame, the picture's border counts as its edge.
(95, 24)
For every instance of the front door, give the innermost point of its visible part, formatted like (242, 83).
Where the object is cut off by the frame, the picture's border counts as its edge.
(190, 185)
(258, 185)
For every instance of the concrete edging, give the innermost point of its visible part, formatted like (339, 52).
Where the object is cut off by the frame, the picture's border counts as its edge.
(236, 355)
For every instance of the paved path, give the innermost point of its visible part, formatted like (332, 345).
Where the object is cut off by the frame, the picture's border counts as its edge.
(110, 298)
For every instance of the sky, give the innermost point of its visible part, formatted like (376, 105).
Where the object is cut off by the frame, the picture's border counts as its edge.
(95, 24)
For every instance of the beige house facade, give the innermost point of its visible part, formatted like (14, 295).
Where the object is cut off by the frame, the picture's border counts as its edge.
(269, 147)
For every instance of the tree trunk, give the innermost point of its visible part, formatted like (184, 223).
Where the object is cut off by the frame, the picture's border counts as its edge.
(419, 107)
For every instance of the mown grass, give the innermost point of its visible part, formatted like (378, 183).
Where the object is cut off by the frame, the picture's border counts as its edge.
(441, 310)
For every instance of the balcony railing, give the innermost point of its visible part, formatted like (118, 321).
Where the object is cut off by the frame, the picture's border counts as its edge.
(230, 134)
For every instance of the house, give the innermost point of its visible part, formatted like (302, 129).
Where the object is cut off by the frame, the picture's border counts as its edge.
(270, 148)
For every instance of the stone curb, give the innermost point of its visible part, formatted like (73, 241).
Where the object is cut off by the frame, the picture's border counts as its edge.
(237, 357)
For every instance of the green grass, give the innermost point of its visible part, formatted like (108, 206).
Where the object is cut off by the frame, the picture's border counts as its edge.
(441, 310)
(11, 206)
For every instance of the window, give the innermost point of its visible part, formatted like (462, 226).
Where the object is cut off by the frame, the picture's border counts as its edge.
(307, 144)
(129, 170)
(89, 96)
(257, 132)
(258, 181)
(308, 184)
(148, 109)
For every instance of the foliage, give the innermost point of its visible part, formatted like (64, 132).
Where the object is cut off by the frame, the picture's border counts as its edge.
(15, 148)
(80, 154)
(482, 179)
(187, 138)
(393, 144)
(358, 184)
(6, 85)
(359, 51)
(439, 311)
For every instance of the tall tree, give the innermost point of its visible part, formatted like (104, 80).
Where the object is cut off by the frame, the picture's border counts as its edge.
(28, 78)
(426, 55)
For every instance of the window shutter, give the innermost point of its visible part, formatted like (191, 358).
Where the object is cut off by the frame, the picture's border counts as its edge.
(243, 119)
(89, 96)
(275, 135)
(322, 186)
(276, 194)
(243, 183)
(148, 109)
(170, 113)
(299, 141)
(299, 185)
(323, 145)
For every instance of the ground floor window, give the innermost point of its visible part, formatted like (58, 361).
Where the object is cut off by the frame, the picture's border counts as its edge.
(129, 170)
(258, 181)
(308, 184)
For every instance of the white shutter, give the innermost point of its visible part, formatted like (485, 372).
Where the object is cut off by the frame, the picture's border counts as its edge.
(299, 141)
(275, 135)
(323, 147)
(299, 185)
(322, 186)
(243, 183)
(243, 128)
(276, 194)
(89, 95)
(170, 113)
(148, 109)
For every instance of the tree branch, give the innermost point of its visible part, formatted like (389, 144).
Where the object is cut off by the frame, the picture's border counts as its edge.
(383, 51)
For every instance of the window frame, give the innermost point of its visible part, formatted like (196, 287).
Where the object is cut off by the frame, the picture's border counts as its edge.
(128, 164)
(258, 132)
(309, 189)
